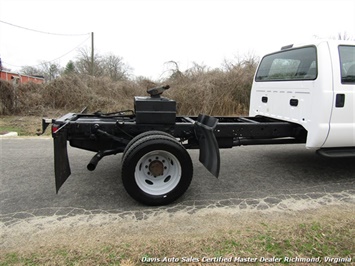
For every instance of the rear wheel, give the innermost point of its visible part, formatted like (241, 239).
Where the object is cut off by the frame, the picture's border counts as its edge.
(156, 170)
(142, 135)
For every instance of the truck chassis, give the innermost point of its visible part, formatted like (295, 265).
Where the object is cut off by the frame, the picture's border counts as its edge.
(156, 168)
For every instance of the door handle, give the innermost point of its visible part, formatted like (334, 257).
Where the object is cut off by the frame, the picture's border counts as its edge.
(294, 102)
(340, 100)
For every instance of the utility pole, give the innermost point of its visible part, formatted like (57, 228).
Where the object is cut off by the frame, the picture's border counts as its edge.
(92, 53)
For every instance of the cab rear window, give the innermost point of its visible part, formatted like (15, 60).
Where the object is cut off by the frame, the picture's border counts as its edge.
(347, 64)
(289, 65)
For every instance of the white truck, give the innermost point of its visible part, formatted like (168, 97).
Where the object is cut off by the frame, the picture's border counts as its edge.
(312, 85)
(301, 94)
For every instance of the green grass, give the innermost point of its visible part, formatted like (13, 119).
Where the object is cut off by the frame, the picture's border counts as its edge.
(23, 125)
(20, 131)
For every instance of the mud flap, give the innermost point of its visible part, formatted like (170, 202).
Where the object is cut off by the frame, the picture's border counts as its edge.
(61, 160)
(209, 150)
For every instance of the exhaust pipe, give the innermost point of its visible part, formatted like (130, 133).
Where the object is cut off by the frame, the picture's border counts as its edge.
(94, 161)
(101, 154)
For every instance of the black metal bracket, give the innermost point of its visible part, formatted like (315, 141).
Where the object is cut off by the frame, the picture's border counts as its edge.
(45, 123)
(156, 92)
(114, 138)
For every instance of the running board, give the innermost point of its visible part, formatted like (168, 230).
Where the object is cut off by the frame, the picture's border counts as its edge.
(209, 150)
(337, 152)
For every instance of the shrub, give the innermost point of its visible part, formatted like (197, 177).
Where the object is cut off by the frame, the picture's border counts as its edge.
(213, 92)
(7, 98)
(197, 90)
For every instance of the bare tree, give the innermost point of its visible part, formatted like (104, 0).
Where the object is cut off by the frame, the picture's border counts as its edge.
(114, 67)
(174, 70)
(197, 69)
(248, 61)
(50, 70)
(83, 63)
(344, 36)
(31, 71)
(108, 65)
(340, 36)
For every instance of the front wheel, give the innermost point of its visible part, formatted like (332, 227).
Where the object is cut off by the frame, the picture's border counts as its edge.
(156, 170)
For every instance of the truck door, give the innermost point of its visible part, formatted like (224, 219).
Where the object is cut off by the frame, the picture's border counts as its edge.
(342, 121)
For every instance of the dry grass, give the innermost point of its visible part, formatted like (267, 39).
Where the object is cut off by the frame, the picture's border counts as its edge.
(213, 233)
(197, 90)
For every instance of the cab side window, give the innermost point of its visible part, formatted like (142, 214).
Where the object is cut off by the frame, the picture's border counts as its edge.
(347, 64)
(289, 65)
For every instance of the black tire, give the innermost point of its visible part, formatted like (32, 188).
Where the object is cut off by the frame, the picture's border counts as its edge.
(142, 135)
(156, 170)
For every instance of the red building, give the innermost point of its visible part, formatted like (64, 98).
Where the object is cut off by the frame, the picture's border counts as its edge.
(19, 78)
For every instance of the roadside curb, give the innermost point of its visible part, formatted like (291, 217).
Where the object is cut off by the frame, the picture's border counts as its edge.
(9, 134)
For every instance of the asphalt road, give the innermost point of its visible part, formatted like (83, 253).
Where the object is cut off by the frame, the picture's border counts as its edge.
(259, 177)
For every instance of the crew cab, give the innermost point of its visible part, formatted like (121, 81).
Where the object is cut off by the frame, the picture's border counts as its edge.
(312, 85)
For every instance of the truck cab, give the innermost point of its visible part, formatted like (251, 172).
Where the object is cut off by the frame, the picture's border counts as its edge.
(312, 85)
